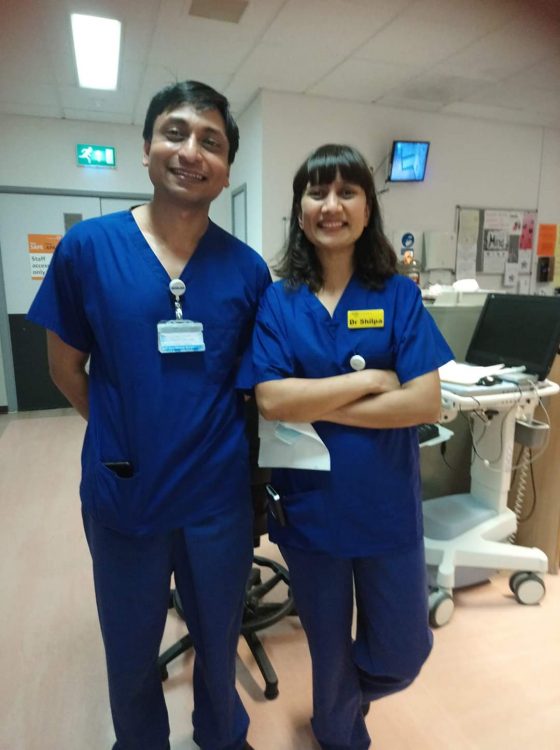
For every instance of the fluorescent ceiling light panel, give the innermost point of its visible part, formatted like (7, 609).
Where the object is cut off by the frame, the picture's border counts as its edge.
(97, 44)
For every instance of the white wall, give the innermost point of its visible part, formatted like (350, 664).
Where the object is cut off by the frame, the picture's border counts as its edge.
(40, 153)
(248, 169)
(472, 162)
(37, 152)
(549, 196)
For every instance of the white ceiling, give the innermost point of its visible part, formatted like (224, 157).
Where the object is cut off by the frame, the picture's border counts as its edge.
(497, 59)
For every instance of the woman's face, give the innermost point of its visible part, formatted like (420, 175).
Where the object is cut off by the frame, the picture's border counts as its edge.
(333, 216)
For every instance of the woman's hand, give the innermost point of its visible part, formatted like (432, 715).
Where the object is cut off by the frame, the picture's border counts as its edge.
(383, 381)
(414, 402)
(309, 399)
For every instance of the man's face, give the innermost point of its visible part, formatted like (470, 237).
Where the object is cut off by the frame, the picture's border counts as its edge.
(187, 158)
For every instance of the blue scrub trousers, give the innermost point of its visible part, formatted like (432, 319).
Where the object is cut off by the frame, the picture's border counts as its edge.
(393, 638)
(211, 565)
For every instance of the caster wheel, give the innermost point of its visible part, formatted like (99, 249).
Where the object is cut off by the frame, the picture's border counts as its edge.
(527, 588)
(514, 578)
(271, 692)
(441, 608)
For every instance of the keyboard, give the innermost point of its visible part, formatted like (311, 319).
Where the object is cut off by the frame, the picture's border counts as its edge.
(427, 432)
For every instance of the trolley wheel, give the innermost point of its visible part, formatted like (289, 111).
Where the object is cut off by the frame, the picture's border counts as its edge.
(528, 588)
(271, 692)
(441, 607)
(514, 578)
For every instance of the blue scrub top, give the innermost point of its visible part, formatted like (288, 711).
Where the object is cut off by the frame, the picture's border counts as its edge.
(370, 500)
(177, 418)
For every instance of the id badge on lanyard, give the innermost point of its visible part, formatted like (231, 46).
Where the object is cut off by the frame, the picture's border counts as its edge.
(179, 336)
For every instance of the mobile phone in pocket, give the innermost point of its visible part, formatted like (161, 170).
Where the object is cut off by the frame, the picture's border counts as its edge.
(122, 469)
(275, 505)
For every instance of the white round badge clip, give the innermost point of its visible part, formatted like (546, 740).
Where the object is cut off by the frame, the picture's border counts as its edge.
(177, 287)
(357, 362)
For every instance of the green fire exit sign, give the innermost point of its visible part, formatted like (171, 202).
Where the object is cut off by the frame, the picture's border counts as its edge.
(90, 155)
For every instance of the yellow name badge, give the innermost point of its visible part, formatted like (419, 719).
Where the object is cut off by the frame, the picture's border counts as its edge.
(366, 318)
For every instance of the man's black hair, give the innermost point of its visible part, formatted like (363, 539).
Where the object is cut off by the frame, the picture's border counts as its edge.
(201, 97)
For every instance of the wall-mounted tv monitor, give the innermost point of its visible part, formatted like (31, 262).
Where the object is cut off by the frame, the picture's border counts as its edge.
(408, 161)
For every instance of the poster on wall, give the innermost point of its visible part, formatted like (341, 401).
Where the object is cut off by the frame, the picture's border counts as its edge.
(500, 240)
(496, 241)
(467, 241)
(41, 248)
(547, 240)
(526, 242)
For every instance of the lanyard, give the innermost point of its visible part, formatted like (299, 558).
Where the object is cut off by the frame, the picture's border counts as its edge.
(177, 289)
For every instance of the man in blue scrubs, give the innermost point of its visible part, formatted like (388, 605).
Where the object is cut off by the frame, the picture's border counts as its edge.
(161, 302)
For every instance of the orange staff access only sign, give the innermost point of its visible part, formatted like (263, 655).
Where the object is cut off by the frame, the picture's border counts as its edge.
(41, 247)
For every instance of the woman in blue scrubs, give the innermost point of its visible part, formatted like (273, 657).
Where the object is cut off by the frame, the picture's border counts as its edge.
(344, 342)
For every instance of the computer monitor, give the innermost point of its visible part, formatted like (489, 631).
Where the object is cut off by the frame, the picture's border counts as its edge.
(408, 161)
(517, 329)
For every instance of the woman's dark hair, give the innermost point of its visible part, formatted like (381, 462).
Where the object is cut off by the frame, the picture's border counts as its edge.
(201, 97)
(374, 258)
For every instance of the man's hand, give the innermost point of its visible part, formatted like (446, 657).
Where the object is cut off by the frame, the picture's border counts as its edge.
(67, 371)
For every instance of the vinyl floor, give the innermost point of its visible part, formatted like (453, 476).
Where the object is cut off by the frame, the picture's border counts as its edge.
(492, 682)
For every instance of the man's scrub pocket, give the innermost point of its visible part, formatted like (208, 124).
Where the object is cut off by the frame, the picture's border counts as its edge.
(116, 494)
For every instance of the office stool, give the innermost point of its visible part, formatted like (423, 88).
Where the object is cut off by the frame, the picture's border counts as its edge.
(257, 615)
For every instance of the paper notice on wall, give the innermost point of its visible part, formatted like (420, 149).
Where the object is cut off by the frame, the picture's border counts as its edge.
(525, 261)
(41, 248)
(501, 239)
(467, 239)
(511, 274)
(527, 230)
(495, 241)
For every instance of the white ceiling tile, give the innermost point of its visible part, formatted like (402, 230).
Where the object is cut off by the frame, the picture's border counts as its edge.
(362, 80)
(418, 54)
(415, 42)
(341, 25)
(18, 90)
(267, 67)
(73, 97)
(24, 54)
(543, 75)
(516, 46)
(512, 97)
(437, 88)
(474, 17)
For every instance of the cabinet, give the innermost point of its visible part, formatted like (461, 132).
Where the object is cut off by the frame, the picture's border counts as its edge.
(542, 527)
